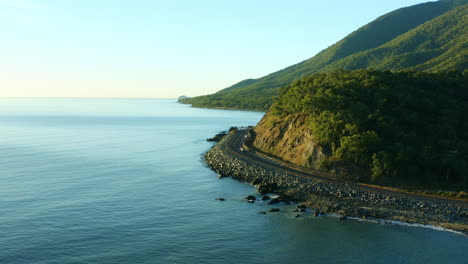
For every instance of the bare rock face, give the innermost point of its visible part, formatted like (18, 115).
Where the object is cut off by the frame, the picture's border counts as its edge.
(290, 139)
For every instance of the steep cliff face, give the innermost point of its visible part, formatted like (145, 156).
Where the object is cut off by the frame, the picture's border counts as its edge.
(290, 139)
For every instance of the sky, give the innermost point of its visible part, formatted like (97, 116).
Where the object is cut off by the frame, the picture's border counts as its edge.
(164, 49)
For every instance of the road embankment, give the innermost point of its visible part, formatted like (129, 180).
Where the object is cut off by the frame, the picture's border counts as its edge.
(226, 159)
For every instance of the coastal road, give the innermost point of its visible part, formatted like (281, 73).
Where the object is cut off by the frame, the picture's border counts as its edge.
(234, 145)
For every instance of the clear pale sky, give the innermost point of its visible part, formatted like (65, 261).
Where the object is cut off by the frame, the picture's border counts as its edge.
(163, 49)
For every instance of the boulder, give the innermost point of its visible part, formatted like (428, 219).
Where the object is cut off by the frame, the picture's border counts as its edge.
(268, 188)
(301, 206)
(274, 201)
(250, 197)
(256, 182)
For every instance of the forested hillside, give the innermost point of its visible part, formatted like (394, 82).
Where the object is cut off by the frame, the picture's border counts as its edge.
(387, 127)
(429, 37)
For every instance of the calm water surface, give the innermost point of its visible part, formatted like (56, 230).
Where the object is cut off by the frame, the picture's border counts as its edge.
(122, 181)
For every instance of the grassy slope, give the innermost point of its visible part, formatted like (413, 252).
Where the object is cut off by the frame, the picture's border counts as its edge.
(400, 32)
(439, 44)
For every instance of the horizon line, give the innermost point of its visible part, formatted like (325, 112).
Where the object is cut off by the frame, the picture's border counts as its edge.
(47, 97)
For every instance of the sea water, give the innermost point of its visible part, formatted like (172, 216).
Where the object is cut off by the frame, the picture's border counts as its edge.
(123, 181)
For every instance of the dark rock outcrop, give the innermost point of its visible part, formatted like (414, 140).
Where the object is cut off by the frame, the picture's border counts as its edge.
(217, 137)
(274, 201)
(250, 197)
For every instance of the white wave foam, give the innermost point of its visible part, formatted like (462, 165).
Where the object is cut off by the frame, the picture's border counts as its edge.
(401, 223)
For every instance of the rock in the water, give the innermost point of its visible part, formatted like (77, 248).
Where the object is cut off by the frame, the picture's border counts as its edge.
(274, 210)
(220, 199)
(301, 206)
(298, 215)
(266, 197)
(262, 212)
(343, 217)
(317, 212)
(250, 197)
(274, 201)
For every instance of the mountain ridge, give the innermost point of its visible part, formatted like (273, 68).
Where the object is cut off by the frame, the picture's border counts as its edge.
(258, 94)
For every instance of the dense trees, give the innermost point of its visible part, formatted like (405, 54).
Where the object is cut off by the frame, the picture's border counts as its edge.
(254, 101)
(404, 126)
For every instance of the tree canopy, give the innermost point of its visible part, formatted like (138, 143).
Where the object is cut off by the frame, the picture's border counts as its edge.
(405, 126)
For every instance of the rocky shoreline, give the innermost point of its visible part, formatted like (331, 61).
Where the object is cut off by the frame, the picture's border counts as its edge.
(331, 198)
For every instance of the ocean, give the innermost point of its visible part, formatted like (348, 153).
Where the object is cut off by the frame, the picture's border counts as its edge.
(123, 181)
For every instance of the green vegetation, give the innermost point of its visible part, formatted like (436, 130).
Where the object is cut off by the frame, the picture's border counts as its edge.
(401, 127)
(437, 45)
(426, 37)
